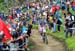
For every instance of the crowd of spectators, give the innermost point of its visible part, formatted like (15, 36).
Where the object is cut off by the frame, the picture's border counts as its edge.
(19, 20)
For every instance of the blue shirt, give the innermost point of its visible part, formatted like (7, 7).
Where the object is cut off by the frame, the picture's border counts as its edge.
(24, 29)
(57, 14)
(19, 11)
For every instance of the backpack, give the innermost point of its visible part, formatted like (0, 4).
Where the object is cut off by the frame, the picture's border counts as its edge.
(69, 21)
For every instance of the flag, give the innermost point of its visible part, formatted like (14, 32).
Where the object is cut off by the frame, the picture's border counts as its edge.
(9, 27)
(3, 27)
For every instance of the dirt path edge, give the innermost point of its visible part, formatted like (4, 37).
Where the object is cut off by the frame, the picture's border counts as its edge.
(62, 41)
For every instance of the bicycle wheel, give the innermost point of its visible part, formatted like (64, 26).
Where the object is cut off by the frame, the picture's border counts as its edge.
(43, 37)
(46, 40)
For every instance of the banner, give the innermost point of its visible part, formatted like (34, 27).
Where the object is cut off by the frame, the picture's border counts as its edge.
(3, 27)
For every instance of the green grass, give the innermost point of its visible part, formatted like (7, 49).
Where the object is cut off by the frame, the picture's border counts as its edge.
(35, 26)
(61, 34)
(71, 42)
(31, 44)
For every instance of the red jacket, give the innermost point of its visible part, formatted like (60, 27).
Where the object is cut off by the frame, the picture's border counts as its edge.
(58, 7)
(53, 9)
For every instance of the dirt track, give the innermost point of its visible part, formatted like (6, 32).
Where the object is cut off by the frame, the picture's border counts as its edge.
(40, 46)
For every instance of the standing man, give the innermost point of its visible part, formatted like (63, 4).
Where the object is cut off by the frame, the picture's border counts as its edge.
(68, 25)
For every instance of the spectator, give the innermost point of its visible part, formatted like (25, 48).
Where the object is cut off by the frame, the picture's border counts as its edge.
(54, 25)
(3, 46)
(63, 6)
(29, 29)
(68, 24)
(68, 5)
(59, 22)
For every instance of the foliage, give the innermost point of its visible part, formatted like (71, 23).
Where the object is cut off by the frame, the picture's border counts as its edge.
(31, 45)
(3, 7)
(1, 1)
(37, 0)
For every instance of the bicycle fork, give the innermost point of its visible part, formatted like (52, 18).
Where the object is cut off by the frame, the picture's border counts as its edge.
(44, 38)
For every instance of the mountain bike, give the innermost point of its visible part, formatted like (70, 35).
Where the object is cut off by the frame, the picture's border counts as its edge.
(44, 37)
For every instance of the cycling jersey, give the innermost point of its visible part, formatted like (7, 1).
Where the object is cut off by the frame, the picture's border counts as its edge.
(42, 29)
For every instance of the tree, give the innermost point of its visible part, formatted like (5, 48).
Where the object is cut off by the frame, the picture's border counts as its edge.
(1, 1)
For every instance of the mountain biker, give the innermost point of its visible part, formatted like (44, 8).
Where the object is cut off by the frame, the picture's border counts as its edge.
(42, 28)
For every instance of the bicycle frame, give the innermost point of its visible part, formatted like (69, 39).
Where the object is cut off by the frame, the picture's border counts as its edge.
(44, 38)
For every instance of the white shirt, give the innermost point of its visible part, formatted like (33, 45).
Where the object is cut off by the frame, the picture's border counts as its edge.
(73, 18)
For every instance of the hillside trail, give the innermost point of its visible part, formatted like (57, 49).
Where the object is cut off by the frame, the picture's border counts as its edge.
(53, 45)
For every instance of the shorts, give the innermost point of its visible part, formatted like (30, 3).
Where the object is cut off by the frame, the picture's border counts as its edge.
(51, 24)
